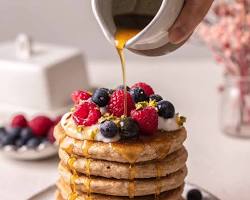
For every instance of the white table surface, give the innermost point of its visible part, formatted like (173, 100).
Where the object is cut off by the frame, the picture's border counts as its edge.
(216, 162)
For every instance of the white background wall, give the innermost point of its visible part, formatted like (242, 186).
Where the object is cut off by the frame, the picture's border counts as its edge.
(67, 22)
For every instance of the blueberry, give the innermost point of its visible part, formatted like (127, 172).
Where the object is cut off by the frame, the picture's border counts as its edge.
(2, 132)
(129, 128)
(101, 97)
(155, 97)
(106, 89)
(194, 194)
(108, 129)
(33, 143)
(166, 109)
(7, 140)
(121, 87)
(45, 140)
(13, 133)
(26, 134)
(138, 95)
(1, 137)
(19, 143)
(111, 91)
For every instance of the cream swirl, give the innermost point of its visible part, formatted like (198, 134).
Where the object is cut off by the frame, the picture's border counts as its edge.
(93, 132)
(170, 124)
(84, 133)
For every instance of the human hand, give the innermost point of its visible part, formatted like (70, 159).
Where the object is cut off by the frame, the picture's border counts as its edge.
(191, 15)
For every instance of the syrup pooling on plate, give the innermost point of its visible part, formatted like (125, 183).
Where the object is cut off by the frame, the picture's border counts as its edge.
(121, 37)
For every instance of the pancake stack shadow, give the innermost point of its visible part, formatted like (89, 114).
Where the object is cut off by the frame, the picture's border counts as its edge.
(144, 169)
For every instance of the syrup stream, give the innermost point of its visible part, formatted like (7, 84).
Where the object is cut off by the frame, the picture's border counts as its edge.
(121, 37)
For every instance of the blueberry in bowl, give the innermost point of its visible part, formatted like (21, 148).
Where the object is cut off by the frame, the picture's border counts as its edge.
(24, 139)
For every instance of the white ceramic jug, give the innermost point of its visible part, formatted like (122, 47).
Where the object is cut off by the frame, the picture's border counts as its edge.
(152, 40)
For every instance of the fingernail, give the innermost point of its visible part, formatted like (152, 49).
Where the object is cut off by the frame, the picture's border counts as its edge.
(177, 35)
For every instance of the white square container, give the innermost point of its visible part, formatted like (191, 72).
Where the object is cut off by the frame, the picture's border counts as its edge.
(41, 83)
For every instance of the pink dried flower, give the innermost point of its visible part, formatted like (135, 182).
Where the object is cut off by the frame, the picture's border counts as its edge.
(228, 36)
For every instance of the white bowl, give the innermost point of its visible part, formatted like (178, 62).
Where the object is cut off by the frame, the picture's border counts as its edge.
(153, 39)
(43, 151)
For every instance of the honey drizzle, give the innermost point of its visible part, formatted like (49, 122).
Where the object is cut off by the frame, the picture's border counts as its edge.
(121, 37)
(131, 186)
(87, 167)
(158, 185)
(87, 183)
(130, 152)
(73, 195)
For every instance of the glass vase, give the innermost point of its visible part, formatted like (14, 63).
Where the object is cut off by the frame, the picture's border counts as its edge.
(235, 106)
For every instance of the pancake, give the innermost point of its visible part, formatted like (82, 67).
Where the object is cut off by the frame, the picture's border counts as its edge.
(102, 168)
(64, 192)
(115, 187)
(130, 151)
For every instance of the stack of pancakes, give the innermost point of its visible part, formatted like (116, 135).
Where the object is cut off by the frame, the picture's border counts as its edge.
(144, 168)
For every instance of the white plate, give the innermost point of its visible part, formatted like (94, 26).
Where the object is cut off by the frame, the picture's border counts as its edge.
(44, 150)
(49, 193)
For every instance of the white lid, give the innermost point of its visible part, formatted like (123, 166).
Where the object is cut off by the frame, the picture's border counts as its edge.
(43, 55)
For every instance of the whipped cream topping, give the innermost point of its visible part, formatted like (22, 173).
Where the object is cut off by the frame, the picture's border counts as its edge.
(103, 110)
(168, 124)
(85, 133)
(93, 132)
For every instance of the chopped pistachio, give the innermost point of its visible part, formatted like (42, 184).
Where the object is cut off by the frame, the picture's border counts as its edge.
(152, 103)
(79, 128)
(180, 120)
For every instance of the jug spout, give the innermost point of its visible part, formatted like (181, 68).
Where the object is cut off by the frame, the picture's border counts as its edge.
(152, 17)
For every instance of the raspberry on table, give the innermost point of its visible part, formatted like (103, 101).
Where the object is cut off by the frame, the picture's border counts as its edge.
(116, 103)
(147, 119)
(147, 88)
(86, 114)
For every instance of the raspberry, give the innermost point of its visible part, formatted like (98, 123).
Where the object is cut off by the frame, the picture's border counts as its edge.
(40, 125)
(19, 121)
(147, 88)
(116, 103)
(147, 119)
(79, 95)
(57, 120)
(86, 114)
(50, 135)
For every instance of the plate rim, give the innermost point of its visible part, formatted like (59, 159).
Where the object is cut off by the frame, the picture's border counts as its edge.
(53, 187)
